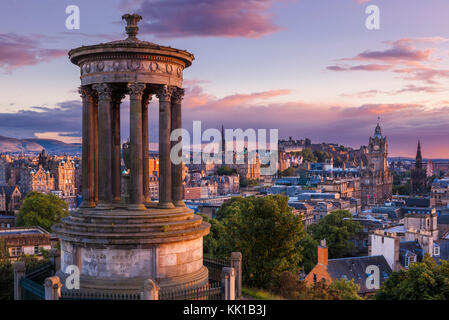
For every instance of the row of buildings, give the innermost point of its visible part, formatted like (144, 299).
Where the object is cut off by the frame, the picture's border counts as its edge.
(60, 175)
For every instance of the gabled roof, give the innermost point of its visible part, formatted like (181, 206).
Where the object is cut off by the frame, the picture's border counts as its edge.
(8, 190)
(407, 247)
(355, 268)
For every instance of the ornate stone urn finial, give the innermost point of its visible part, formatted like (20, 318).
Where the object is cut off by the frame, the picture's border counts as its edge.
(131, 25)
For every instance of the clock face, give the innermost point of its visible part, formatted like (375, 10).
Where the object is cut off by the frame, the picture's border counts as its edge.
(376, 147)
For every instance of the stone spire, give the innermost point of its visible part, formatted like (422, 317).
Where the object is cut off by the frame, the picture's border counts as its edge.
(131, 25)
(418, 163)
(378, 131)
(223, 144)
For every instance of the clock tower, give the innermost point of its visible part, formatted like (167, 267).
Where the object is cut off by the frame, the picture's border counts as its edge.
(376, 178)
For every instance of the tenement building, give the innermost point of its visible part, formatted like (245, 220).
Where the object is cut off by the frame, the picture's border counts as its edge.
(376, 178)
(120, 241)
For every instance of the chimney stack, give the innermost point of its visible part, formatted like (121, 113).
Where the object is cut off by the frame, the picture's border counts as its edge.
(322, 253)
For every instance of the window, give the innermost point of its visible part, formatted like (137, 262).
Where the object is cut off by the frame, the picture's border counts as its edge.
(436, 250)
(314, 278)
(409, 260)
(365, 243)
(16, 251)
(36, 249)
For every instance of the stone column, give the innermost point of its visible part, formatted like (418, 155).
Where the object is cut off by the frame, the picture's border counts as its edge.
(19, 273)
(54, 256)
(87, 162)
(236, 263)
(94, 164)
(116, 158)
(146, 165)
(136, 200)
(104, 146)
(176, 123)
(164, 93)
(228, 283)
(52, 288)
(150, 290)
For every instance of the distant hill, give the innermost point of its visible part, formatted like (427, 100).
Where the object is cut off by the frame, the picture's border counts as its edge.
(13, 145)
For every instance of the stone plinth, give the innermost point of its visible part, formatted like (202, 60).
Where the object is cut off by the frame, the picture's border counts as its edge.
(119, 249)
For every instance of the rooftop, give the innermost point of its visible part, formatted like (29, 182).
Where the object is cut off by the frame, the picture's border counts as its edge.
(22, 231)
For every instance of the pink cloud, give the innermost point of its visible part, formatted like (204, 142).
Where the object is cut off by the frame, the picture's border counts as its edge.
(367, 67)
(400, 51)
(403, 58)
(206, 18)
(408, 88)
(404, 123)
(17, 51)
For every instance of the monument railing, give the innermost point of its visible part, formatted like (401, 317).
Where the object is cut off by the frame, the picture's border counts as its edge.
(32, 290)
(224, 284)
(30, 283)
(86, 295)
(210, 291)
(216, 266)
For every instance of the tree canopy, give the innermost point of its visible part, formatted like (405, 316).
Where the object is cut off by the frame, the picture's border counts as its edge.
(290, 287)
(44, 210)
(264, 230)
(337, 228)
(226, 171)
(423, 280)
(308, 156)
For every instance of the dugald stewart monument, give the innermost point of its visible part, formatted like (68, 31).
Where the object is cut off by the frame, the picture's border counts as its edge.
(119, 240)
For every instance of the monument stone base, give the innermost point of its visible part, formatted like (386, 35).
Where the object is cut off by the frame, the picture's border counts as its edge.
(117, 249)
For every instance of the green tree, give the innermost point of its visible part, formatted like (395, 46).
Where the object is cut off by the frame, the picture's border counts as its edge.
(7, 274)
(226, 171)
(321, 156)
(212, 242)
(337, 228)
(44, 210)
(402, 189)
(289, 172)
(308, 155)
(423, 280)
(265, 231)
(309, 252)
(345, 289)
(338, 162)
(290, 287)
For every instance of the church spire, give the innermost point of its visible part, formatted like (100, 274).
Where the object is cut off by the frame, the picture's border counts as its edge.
(418, 163)
(223, 145)
(378, 130)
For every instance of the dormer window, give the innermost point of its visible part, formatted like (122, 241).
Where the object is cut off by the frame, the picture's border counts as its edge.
(436, 250)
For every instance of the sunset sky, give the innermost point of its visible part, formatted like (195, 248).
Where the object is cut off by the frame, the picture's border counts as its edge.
(309, 68)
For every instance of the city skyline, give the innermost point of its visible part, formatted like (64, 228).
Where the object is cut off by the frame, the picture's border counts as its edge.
(311, 72)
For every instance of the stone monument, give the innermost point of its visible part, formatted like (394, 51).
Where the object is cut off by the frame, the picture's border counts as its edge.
(118, 245)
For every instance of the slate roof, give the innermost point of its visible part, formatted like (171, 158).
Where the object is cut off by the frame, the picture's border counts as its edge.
(417, 202)
(444, 251)
(355, 268)
(405, 247)
(300, 205)
(443, 219)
